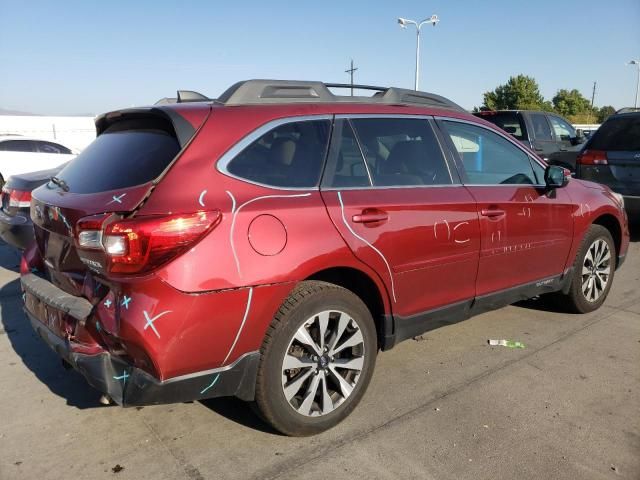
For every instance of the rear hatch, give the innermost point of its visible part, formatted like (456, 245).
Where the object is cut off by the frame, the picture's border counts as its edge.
(109, 179)
(619, 139)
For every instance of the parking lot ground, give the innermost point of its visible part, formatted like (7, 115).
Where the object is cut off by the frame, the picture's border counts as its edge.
(446, 407)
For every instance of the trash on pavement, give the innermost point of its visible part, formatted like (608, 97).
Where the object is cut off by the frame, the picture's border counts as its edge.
(506, 343)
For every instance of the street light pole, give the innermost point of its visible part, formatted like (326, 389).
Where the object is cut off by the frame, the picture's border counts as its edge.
(637, 64)
(433, 19)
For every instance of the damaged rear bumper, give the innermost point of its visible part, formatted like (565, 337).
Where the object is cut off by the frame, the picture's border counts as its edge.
(125, 383)
(131, 386)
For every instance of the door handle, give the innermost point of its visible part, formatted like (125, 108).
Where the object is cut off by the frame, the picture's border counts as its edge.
(492, 212)
(539, 149)
(370, 217)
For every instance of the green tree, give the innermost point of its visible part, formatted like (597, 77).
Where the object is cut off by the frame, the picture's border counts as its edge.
(519, 93)
(604, 112)
(571, 102)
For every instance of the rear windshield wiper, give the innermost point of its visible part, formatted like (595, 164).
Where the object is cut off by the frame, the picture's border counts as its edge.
(61, 183)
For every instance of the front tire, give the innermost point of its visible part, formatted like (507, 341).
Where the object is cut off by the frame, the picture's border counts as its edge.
(317, 359)
(594, 269)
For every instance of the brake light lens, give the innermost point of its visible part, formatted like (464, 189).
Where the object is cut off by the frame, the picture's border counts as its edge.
(17, 198)
(593, 157)
(141, 244)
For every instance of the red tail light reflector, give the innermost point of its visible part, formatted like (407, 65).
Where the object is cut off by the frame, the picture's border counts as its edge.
(141, 244)
(17, 198)
(592, 157)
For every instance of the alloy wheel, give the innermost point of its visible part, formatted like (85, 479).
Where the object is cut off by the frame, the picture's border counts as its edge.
(596, 270)
(323, 363)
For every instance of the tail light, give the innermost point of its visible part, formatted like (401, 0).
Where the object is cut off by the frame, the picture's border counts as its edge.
(592, 157)
(141, 244)
(17, 198)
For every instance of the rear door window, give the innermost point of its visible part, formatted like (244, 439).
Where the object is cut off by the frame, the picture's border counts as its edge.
(510, 122)
(401, 152)
(288, 156)
(127, 154)
(618, 134)
(17, 146)
(50, 147)
(541, 129)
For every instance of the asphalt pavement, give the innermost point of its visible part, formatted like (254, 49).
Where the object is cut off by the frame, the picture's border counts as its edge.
(448, 406)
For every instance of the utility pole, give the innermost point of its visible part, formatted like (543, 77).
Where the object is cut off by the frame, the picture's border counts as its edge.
(593, 96)
(351, 71)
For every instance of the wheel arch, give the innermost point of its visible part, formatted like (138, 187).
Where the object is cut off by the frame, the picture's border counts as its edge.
(611, 223)
(366, 288)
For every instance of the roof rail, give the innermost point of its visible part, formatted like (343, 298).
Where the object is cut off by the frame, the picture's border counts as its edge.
(263, 92)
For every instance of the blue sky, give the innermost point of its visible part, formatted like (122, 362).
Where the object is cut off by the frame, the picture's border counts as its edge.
(72, 57)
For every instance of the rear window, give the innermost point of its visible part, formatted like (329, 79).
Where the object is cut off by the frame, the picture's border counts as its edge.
(510, 122)
(618, 134)
(288, 156)
(125, 155)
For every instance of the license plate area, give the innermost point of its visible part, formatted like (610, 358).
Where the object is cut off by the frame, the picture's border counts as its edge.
(60, 323)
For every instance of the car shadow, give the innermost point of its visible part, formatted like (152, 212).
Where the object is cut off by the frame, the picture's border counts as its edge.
(550, 302)
(239, 412)
(634, 231)
(37, 357)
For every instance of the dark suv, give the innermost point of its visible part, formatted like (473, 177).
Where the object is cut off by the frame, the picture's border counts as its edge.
(549, 135)
(267, 244)
(612, 157)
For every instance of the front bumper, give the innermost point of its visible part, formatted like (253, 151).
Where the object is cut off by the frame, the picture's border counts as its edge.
(16, 230)
(113, 375)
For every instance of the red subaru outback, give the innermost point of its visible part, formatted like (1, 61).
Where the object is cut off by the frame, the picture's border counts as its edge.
(268, 243)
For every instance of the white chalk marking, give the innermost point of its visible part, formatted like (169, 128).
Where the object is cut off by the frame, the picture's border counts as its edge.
(344, 219)
(151, 320)
(201, 198)
(456, 227)
(244, 319)
(233, 221)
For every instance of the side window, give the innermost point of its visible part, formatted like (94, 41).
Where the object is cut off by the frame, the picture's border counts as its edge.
(17, 146)
(563, 130)
(50, 147)
(488, 158)
(289, 156)
(401, 151)
(541, 128)
(350, 170)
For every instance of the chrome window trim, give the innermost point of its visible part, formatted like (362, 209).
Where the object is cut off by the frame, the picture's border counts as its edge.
(223, 162)
(390, 187)
(343, 116)
(506, 136)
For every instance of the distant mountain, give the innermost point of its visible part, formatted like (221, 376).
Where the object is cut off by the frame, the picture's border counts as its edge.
(15, 112)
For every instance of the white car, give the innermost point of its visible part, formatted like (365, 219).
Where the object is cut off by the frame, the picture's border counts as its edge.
(20, 154)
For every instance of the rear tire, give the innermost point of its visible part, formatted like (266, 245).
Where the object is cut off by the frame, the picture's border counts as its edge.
(310, 381)
(594, 269)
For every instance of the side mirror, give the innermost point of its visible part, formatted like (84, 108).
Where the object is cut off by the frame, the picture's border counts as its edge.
(579, 138)
(556, 177)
